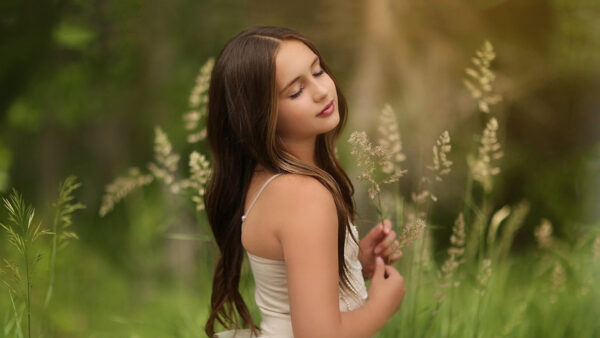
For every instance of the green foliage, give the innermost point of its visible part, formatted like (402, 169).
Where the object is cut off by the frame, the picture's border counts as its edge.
(24, 231)
(64, 208)
(73, 36)
(23, 115)
(5, 164)
(21, 227)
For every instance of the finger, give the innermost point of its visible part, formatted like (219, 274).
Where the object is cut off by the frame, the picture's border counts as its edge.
(387, 225)
(375, 233)
(391, 271)
(396, 256)
(392, 248)
(379, 268)
(385, 243)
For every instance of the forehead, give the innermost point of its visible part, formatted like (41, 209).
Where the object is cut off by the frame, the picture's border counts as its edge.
(293, 58)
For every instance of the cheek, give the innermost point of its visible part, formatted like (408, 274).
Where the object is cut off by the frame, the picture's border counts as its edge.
(292, 115)
(285, 118)
(331, 84)
(282, 122)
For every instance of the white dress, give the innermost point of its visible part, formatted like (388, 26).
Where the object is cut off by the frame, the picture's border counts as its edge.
(271, 293)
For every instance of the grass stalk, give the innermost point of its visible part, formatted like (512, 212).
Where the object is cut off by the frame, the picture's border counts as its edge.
(60, 224)
(52, 261)
(17, 316)
(420, 256)
(476, 330)
(450, 318)
(28, 292)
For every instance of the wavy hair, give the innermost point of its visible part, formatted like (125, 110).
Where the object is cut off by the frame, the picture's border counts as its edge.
(241, 132)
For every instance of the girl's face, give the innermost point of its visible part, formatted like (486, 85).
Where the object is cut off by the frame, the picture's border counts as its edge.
(304, 89)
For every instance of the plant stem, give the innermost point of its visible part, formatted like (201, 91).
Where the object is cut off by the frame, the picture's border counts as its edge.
(431, 317)
(17, 317)
(476, 331)
(420, 256)
(379, 207)
(399, 211)
(28, 284)
(418, 274)
(450, 297)
(485, 210)
(380, 217)
(53, 258)
(468, 199)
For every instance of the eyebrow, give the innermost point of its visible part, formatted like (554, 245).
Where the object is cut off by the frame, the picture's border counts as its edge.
(297, 77)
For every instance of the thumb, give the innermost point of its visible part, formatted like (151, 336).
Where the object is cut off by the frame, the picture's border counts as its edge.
(375, 233)
(379, 267)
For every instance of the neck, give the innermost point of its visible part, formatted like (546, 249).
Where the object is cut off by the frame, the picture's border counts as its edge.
(303, 149)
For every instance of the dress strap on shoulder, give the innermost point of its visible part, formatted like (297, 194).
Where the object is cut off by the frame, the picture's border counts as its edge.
(258, 194)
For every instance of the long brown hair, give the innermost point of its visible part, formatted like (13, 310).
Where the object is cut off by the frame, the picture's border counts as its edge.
(241, 132)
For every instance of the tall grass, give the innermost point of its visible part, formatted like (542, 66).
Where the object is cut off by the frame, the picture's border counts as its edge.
(475, 286)
(164, 168)
(23, 232)
(64, 209)
(479, 289)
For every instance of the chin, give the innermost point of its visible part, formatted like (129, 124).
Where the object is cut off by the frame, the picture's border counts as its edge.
(332, 121)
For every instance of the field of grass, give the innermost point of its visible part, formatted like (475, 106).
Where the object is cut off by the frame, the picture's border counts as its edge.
(157, 280)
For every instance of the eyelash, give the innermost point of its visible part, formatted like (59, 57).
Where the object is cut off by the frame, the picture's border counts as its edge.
(295, 95)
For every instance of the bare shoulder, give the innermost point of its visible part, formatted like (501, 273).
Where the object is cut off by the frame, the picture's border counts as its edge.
(306, 217)
(301, 199)
(290, 180)
(302, 184)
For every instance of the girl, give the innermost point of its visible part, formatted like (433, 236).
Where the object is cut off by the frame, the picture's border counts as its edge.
(274, 115)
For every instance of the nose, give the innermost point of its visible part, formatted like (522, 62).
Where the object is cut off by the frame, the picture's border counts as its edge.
(321, 91)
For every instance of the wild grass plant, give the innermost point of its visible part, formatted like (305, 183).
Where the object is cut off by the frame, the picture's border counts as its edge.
(164, 168)
(480, 289)
(18, 271)
(64, 208)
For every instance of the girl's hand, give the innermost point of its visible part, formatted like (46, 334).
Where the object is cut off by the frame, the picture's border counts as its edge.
(387, 288)
(380, 241)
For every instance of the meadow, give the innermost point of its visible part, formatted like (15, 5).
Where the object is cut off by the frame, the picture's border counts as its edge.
(474, 285)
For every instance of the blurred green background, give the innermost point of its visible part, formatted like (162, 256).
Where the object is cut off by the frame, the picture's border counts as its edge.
(84, 83)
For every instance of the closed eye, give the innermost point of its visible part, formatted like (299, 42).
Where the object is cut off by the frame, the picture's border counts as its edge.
(295, 95)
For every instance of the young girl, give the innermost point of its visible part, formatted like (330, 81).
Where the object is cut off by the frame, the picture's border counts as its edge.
(278, 192)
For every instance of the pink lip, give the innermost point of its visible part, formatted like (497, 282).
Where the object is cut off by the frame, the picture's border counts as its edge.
(326, 108)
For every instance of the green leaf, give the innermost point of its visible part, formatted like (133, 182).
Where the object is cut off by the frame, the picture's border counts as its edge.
(73, 36)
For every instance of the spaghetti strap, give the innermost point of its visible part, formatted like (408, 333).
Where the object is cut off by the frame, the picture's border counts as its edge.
(258, 194)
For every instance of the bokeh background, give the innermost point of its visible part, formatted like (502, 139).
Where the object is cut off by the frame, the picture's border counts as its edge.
(83, 84)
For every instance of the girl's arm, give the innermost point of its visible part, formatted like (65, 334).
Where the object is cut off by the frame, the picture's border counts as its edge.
(308, 235)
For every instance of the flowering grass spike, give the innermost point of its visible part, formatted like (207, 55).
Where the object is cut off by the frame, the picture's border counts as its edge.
(480, 78)
(482, 167)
